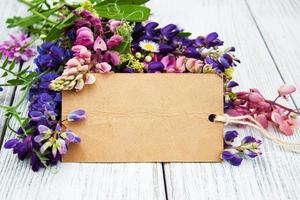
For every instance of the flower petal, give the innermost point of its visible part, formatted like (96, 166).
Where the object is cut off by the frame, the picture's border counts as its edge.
(11, 143)
(76, 115)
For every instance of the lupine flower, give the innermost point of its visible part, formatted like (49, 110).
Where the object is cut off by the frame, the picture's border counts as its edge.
(76, 115)
(264, 111)
(57, 141)
(112, 57)
(81, 52)
(103, 67)
(51, 56)
(24, 148)
(17, 46)
(100, 44)
(155, 67)
(248, 148)
(114, 41)
(169, 31)
(193, 65)
(114, 25)
(209, 41)
(285, 90)
(84, 37)
(231, 155)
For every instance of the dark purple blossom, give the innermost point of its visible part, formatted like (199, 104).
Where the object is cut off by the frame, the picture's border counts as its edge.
(155, 67)
(210, 40)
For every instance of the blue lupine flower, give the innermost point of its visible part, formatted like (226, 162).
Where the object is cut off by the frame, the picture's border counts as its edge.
(169, 31)
(155, 67)
(76, 115)
(51, 56)
(210, 40)
(229, 137)
(232, 157)
(249, 147)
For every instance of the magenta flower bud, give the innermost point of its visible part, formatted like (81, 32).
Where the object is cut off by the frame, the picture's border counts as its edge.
(262, 119)
(113, 57)
(285, 90)
(85, 37)
(100, 44)
(114, 41)
(255, 97)
(103, 67)
(114, 24)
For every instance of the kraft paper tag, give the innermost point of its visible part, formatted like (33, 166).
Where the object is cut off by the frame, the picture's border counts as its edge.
(147, 118)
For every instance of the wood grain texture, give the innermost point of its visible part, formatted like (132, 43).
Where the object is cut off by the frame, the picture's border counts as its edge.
(279, 23)
(276, 174)
(74, 180)
(6, 96)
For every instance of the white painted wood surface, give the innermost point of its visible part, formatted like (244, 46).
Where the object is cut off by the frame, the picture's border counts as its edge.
(266, 37)
(276, 174)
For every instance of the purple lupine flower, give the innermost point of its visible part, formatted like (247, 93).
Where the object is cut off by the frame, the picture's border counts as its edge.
(232, 84)
(191, 52)
(169, 31)
(232, 157)
(17, 46)
(155, 67)
(249, 148)
(76, 115)
(210, 40)
(230, 136)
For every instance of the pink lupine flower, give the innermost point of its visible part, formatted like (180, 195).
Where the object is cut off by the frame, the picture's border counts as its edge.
(100, 44)
(17, 47)
(262, 119)
(112, 57)
(180, 64)
(169, 62)
(114, 24)
(103, 67)
(73, 62)
(114, 41)
(285, 90)
(84, 37)
(255, 97)
(90, 79)
(172, 65)
(193, 65)
(70, 71)
(284, 123)
(81, 52)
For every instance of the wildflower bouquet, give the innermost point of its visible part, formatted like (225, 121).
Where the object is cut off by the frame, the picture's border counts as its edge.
(107, 36)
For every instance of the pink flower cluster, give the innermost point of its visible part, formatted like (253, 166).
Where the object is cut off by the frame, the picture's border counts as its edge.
(180, 64)
(266, 111)
(17, 46)
(93, 52)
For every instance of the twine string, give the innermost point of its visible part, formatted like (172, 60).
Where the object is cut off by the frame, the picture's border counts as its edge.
(293, 146)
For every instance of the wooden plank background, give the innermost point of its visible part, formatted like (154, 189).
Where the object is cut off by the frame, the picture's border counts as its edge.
(266, 36)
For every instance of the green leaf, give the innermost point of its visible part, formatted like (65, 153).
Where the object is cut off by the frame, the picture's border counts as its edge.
(30, 20)
(119, 2)
(12, 65)
(15, 82)
(5, 63)
(125, 31)
(23, 71)
(133, 13)
(184, 34)
(4, 74)
(58, 29)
